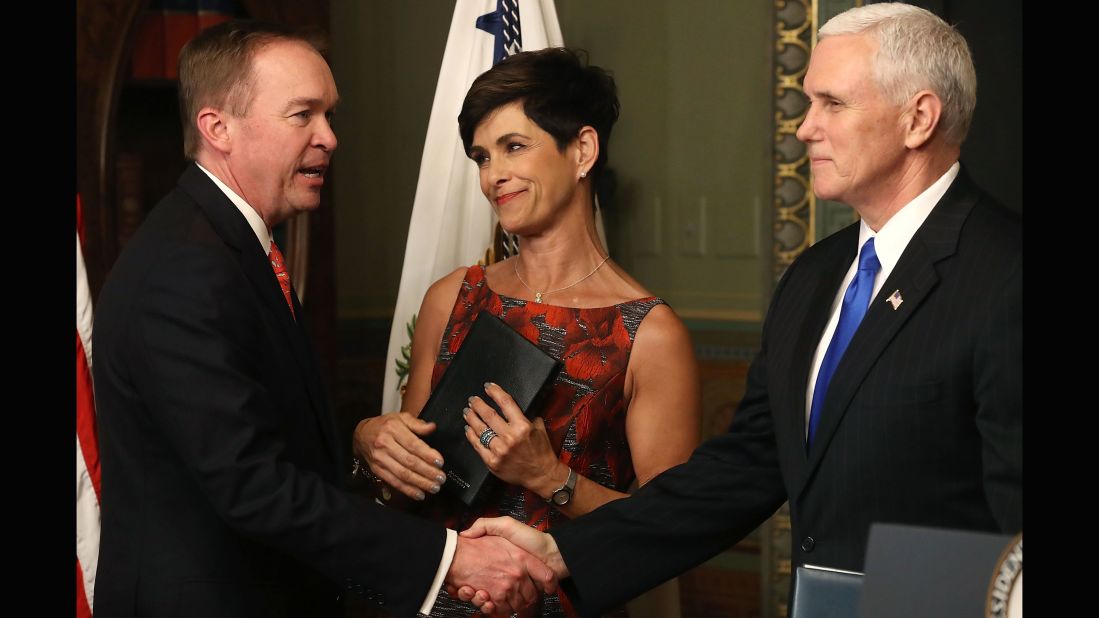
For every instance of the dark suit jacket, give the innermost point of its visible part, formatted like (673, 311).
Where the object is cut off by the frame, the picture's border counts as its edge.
(922, 423)
(219, 457)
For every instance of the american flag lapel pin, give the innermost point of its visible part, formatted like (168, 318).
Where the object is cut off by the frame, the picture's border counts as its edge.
(895, 299)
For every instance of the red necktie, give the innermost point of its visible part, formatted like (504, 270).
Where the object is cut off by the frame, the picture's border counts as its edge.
(279, 267)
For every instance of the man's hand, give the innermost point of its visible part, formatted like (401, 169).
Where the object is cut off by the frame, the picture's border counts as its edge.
(500, 577)
(540, 544)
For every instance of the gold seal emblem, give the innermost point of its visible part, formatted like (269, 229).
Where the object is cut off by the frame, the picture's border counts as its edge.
(1005, 592)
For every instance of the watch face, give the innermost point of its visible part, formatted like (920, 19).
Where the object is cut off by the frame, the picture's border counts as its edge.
(561, 496)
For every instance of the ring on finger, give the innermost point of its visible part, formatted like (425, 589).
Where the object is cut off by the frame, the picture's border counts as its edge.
(486, 437)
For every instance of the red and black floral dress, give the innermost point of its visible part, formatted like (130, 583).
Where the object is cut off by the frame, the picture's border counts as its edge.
(585, 413)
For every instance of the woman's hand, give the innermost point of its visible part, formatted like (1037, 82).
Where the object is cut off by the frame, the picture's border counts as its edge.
(520, 453)
(391, 445)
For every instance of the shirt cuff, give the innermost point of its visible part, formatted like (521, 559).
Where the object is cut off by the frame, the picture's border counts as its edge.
(440, 575)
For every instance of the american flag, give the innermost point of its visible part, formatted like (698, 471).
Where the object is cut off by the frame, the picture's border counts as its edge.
(895, 300)
(87, 446)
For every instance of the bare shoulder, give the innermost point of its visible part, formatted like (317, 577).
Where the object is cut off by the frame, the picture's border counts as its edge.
(440, 296)
(661, 330)
(662, 351)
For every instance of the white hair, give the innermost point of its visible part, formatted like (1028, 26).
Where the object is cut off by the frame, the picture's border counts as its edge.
(917, 50)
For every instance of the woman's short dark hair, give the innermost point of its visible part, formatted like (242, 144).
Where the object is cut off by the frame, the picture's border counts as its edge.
(560, 92)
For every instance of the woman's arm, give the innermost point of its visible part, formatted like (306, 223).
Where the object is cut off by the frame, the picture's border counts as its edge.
(391, 444)
(663, 421)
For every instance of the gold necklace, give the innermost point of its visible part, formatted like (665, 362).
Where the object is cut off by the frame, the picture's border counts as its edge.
(539, 294)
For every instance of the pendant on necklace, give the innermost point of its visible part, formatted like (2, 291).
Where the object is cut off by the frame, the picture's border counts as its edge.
(537, 297)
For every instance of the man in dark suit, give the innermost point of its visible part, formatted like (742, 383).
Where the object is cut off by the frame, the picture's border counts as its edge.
(916, 418)
(220, 461)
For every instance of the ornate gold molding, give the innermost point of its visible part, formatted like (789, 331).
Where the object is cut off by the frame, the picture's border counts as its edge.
(794, 204)
(793, 231)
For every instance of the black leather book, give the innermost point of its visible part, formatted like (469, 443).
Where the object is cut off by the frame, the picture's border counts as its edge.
(491, 352)
(821, 592)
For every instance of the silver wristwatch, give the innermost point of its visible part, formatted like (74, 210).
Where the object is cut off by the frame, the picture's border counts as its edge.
(563, 494)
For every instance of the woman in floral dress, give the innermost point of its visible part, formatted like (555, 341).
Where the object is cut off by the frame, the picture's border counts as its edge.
(625, 405)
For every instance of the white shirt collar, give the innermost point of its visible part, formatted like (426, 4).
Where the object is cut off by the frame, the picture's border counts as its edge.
(263, 235)
(891, 240)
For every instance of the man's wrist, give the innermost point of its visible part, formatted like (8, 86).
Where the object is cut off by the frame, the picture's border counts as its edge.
(355, 450)
(553, 558)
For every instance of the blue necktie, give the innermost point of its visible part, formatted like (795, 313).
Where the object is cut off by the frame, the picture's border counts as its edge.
(855, 301)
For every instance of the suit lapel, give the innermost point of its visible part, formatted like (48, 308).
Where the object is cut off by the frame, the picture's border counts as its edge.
(315, 384)
(257, 267)
(235, 231)
(914, 277)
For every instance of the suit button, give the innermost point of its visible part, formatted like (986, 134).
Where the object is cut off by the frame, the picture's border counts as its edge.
(808, 544)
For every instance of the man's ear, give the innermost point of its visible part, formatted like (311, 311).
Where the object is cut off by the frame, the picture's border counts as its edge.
(214, 128)
(922, 118)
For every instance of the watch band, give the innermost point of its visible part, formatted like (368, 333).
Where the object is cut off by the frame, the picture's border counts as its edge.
(563, 494)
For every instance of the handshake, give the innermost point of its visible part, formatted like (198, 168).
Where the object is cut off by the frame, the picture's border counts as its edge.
(500, 565)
